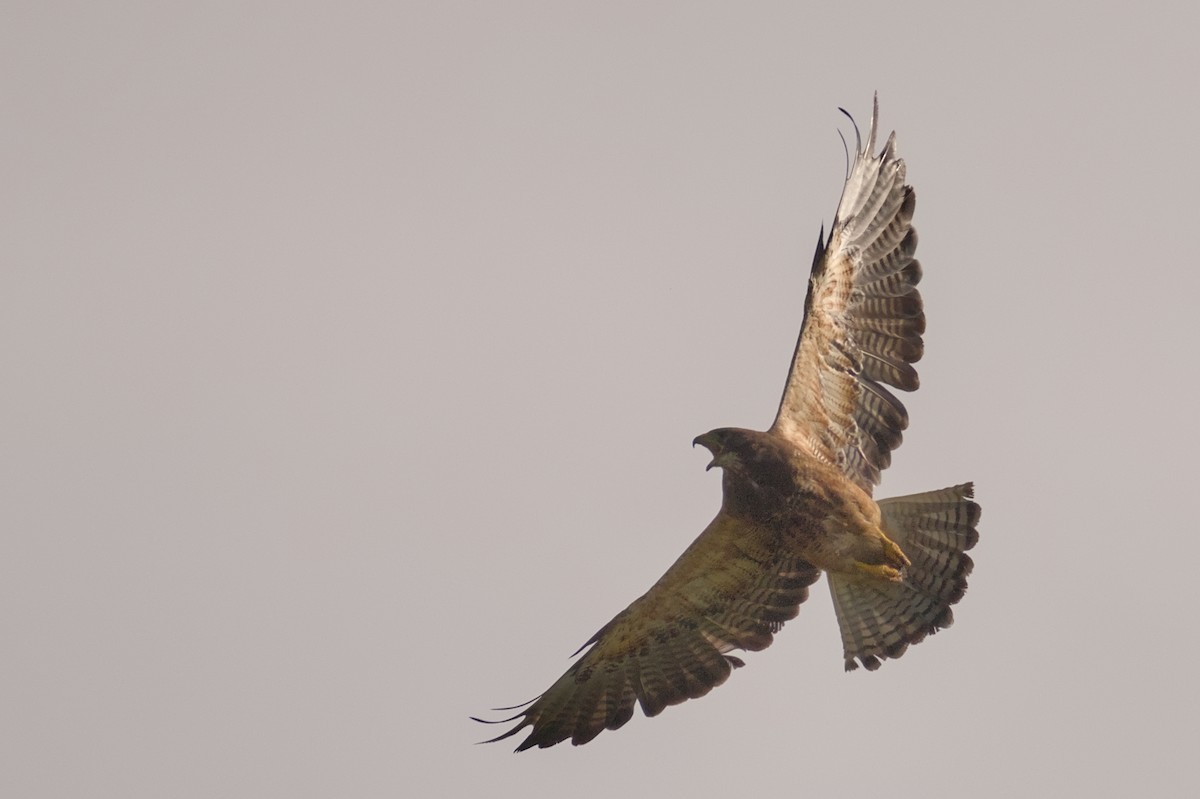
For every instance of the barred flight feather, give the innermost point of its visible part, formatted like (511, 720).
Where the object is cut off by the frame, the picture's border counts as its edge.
(892, 262)
(863, 323)
(732, 588)
(888, 238)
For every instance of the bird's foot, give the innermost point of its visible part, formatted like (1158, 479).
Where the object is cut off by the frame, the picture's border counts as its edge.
(879, 570)
(894, 554)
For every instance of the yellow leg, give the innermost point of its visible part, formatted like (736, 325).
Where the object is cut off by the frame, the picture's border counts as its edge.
(893, 553)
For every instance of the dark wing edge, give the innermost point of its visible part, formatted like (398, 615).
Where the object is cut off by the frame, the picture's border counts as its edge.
(671, 644)
(863, 322)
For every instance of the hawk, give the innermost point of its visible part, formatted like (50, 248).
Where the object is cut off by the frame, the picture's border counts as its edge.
(797, 499)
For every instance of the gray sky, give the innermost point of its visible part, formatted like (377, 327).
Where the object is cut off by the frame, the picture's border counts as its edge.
(353, 353)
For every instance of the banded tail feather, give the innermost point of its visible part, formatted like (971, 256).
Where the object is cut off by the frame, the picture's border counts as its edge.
(880, 619)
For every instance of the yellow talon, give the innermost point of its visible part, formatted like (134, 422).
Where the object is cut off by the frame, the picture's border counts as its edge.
(894, 553)
(880, 570)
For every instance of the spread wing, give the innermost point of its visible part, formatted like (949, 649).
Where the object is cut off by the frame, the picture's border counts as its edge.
(863, 320)
(731, 589)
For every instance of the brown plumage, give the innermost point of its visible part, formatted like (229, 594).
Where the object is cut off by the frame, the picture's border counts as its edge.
(797, 498)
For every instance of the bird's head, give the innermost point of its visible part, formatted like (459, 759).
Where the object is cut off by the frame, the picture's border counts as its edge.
(728, 446)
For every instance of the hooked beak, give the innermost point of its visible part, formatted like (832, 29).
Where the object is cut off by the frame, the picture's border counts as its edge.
(706, 440)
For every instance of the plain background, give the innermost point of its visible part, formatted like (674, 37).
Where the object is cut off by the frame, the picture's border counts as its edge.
(351, 354)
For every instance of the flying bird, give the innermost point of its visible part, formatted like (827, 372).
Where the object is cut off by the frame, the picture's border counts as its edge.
(797, 499)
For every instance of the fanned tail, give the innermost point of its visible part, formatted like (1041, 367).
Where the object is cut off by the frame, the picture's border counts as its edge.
(879, 618)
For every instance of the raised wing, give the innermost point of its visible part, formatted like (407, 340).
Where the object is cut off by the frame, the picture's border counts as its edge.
(729, 590)
(863, 320)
